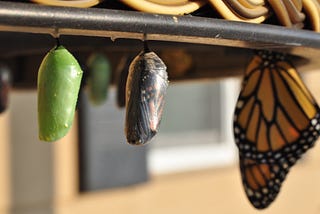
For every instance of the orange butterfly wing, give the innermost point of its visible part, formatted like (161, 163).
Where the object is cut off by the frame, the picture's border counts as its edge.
(276, 120)
(276, 117)
(261, 181)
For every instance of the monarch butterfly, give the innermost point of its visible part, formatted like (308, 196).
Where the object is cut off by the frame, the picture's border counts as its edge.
(98, 78)
(276, 120)
(59, 79)
(145, 90)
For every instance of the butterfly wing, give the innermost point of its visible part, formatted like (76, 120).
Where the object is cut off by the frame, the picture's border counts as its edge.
(276, 120)
(276, 116)
(262, 181)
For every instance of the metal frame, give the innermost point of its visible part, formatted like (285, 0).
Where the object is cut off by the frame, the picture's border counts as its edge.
(33, 18)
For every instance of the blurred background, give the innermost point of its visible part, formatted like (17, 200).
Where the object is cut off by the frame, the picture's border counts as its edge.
(189, 167)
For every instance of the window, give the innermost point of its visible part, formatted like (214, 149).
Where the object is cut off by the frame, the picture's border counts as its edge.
(195, 132)
(196, 128)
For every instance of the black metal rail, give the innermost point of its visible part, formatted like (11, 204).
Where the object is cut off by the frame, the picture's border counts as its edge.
(32, 18)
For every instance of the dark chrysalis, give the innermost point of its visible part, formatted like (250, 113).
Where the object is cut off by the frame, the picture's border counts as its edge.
(122, 75)
(145, 91)
(4, 87)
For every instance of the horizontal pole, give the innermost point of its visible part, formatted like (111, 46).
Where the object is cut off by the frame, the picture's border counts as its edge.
(33, 18)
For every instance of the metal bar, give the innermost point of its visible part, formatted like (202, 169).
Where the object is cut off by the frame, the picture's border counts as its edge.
(32, 18)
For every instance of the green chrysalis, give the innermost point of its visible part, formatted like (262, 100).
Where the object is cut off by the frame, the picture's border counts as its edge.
(98, 78)
(59, 79)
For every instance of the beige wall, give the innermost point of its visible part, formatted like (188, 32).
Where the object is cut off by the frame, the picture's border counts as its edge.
(33, 174)
(4, 162)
